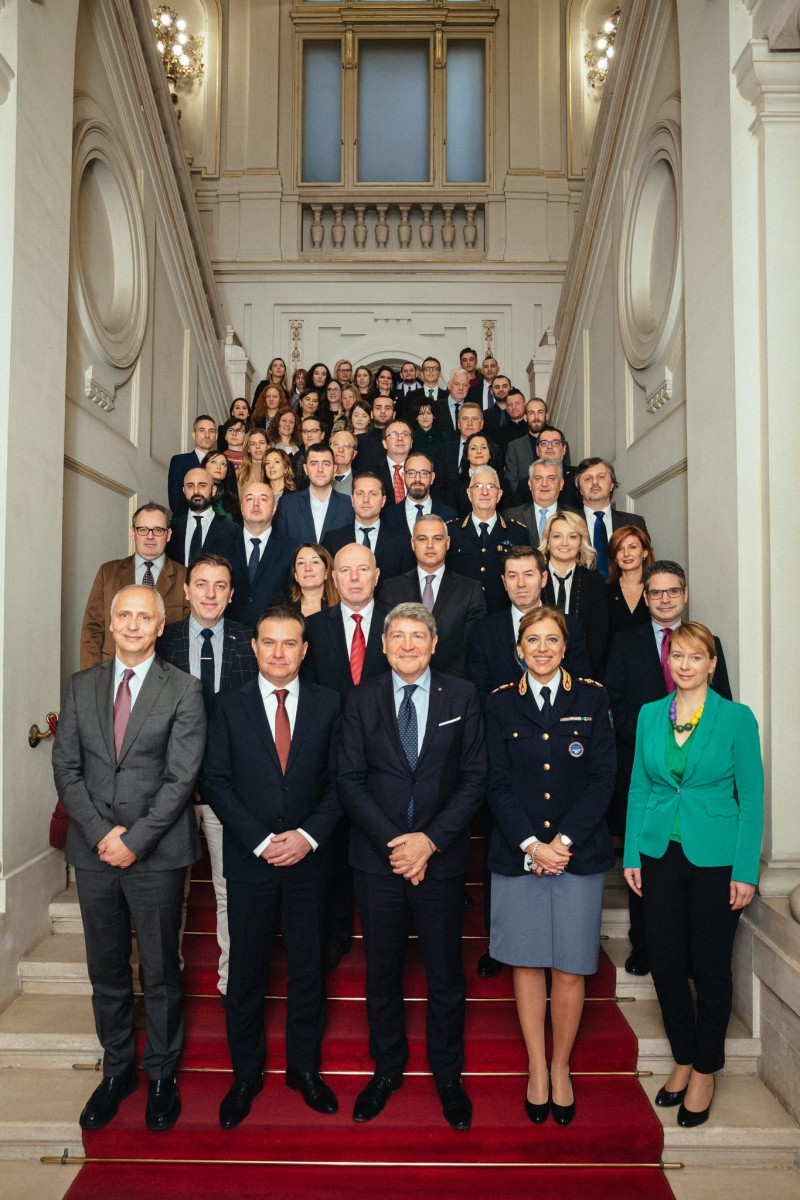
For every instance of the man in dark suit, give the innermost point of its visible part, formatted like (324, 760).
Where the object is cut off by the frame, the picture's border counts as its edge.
(390, 545)
(450, 457)
(456, 603)
(551, 443)
(345, 648)
(308, 515)
(261, 556)
(515, 426)
(546, 483)
(218, 652)
(269, 775)
(496, 416)
(412, 769)
(419, 476)
(125, 759)
(397, 439)
(637, 674)
(200, 528)
(479, 543)
(480, 391)
(448, 408)
(148, 565)
(523, 451)
(596, 481)
(204, 435)
(407, 392)
(432, 382)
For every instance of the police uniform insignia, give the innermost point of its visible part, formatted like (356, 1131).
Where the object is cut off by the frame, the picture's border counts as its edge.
(523, 684)
(503, 688)
(566, 680)
(591, 682)
(575, 749)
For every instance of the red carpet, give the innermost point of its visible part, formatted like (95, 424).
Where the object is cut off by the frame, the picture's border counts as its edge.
(285, 1150)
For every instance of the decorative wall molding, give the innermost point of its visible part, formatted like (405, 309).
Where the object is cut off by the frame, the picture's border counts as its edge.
(79, 468)
(6, 79)
(488, 338)
(657, 481)
(296, 334)
(783, 32)
(661, 395)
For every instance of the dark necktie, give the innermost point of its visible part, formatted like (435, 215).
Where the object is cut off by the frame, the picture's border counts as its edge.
(484, 537)
(196, 544)
(407, 722)
(283, 733)
(338, 478)
(365, 531)
(600, 541)
(457, 407)
(255, 558)
(207, 667)
(420, 512)
(666, 637)
(358, 650)
(148, 579)
(430, 393)
(547, 707)
(122, 708)
(561, 591)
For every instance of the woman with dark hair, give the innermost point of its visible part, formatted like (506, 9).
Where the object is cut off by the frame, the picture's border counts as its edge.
(365, 382)
(692, 849)
(224, 498)
(428, 438)
(551, 772)
(477, 453)
(298, 385)
(253, 454)
(318, 378)
(238, 408)
(283, 432)
(573, 585)
(270, 400)
(312, 587)
(233, 435)
(361, 421)
(279, 472)
(384, 381)
(629, 552)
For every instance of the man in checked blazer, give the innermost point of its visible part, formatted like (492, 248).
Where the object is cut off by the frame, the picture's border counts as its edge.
(128, 750)
(218, 652)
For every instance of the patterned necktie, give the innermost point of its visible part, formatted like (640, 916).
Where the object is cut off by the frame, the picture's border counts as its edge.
(283, 732)
(358, 650)
(255, 558)
(398, 485)
(427, 593)
(122, 708)
(666, 637)
(600, 542)
(148, 580)
(207, 667)
(407, 722)
(196, 544)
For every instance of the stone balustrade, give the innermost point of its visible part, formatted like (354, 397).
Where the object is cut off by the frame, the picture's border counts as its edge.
(393, 229)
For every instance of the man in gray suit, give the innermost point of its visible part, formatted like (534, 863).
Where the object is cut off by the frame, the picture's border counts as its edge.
(546, 483)
(128, 750)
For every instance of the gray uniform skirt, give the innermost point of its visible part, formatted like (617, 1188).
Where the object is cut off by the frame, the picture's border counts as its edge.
(547, 921)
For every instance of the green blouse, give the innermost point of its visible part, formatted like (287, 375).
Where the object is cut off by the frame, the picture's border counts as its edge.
(675, 762)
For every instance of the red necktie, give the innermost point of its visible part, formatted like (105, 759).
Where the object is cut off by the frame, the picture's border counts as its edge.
(358, 650)
(283, 732)
(122, 708)
(666, 635)
(399, 486)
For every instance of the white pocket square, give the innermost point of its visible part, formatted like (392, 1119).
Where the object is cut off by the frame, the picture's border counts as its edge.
(452, 721)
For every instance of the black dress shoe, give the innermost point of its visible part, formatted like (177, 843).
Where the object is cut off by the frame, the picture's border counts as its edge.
(315, 1092)
(537, 1112)
(489, 967)
(236, 1104)
(688, 1119)
(562, 1113)
(163, 1105)
(102, 1105)
(456, 1104)
(333, 954)
(637, 964)
(665, 1099)
(372, 1100)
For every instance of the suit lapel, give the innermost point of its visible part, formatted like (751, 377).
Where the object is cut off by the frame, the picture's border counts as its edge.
(374, 654)
(702, 734)
(104, 691)
(435, 705)
(148, 694)
(338, 636)
(228, 657)
(509, 640)
(303, 726)
(254, 707)
(386, 706)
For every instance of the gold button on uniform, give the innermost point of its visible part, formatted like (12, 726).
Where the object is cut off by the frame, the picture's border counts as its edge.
(545, 766)
(483, 568)
(547, 795)
(547, 824)
(545, 737)
(515, 734)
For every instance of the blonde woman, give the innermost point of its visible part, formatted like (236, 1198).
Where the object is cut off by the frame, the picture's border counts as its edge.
(573, 585)
(253, 452)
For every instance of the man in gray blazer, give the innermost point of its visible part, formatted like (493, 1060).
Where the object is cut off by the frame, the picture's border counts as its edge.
(128, 751)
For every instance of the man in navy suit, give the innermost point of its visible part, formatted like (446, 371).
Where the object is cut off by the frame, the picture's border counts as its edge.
(412, 769)
(261, 557)
(200, 528)
(204, 435)
(447, 409)
(596, 481)
(419, 476)
(391, 546)
(308, 515)
(345, 648)
(219, 653)
(269, 774)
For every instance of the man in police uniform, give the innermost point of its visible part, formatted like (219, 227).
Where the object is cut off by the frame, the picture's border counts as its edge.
(479, 543)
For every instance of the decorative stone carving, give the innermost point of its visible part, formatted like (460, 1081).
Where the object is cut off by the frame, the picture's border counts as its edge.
(404, 228)
(338, 229)
(426, 228)
(296, 332)
(488, 338)
(317, 228)
(360, 228)
(659, 397)
(6, 79)
(382, 229)
(448, 228)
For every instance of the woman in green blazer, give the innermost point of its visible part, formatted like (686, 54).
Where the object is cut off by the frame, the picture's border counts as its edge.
(692, 848)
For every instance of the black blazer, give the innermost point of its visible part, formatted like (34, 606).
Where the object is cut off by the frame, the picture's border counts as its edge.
(492, 652)
(327, 661)
(565, 778)
(376, 782)
(220, 539)
(588, 602)
(251, 598)
(179, 465)
(393, 552)
(244, 784)
(459, 604)
(444, 421)
(395, 517)
(238, 660)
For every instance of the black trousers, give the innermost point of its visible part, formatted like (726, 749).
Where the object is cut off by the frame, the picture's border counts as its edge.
(689, 923)
(253, 906)
(388, 905)
(152, 900)
(339, 886)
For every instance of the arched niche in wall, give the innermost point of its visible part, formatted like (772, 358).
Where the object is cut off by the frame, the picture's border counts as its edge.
(199, 99)
(584, 19)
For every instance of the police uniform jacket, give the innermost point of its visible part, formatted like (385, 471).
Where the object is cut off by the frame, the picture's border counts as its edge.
(484, 564)
(550, 776)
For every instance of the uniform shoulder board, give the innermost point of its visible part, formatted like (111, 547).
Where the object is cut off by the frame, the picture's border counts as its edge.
(514, 521)
(503, 688)
(591, 682)
(465, 522)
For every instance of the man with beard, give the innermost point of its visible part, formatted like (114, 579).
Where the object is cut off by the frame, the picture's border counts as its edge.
(419, 476)
(200, 528)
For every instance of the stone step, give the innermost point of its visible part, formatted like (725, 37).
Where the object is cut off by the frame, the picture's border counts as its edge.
(735, 1183)
(48, 1031)
(742, 1050)
(65, 912)
(39, 1111)
(639, 987)
(56, 966)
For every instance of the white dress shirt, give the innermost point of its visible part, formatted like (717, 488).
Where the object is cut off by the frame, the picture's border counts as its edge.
(270, 701)
(411, 511)
(262, 537)
(435, 582)
(589, 515)
(567, 581)
(420, 698)
(196, 646)
(191, 524)
(373, 532)
(139, 568)
(136, 680)
(319, 511)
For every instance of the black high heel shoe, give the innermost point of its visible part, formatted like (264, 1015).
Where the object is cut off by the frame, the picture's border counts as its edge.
(688, 1119)
(562, 1113)
(537, 1112)
(665, 1099)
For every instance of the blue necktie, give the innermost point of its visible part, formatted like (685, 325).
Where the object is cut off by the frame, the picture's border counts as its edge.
(542, 521)
(407, 722)
(365, 532)
(601, 544)
(207, 667)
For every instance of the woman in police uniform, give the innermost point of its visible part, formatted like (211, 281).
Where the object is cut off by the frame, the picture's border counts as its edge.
(552, 762)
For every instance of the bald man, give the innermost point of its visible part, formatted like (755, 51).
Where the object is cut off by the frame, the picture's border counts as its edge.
(200, 528)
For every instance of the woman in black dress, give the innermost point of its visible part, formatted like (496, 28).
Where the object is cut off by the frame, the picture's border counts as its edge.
(573, 585)
(629, 552)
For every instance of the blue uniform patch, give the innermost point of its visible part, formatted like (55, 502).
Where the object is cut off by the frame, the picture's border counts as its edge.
(575, 749)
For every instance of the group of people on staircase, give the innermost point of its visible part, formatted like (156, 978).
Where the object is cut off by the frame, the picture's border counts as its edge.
(334, 653)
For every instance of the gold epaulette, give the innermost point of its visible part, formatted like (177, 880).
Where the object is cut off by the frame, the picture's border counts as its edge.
(566, 680)
(514, 521)
(503, 688)
(502, 522)
(465, 522)
(591, 682)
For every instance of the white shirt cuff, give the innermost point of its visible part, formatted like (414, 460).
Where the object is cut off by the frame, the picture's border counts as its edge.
(261, 847)
(314, 845)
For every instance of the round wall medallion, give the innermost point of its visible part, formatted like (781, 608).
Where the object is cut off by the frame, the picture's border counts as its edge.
(107, 250)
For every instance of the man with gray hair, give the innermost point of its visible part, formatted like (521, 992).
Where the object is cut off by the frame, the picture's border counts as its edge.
(447, 410)
(412, 769)
(546, 483)
(479, 543)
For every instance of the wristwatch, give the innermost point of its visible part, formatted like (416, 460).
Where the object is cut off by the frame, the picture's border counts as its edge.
(565, 841)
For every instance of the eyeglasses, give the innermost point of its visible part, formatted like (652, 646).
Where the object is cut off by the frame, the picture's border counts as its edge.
(417, 474)
(143, 530)
(397, 437)
(343, 446)
(672, 592)
(554, 442)
(483, 487)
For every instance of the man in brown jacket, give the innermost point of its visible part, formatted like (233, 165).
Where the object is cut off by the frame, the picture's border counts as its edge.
(149, 565)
